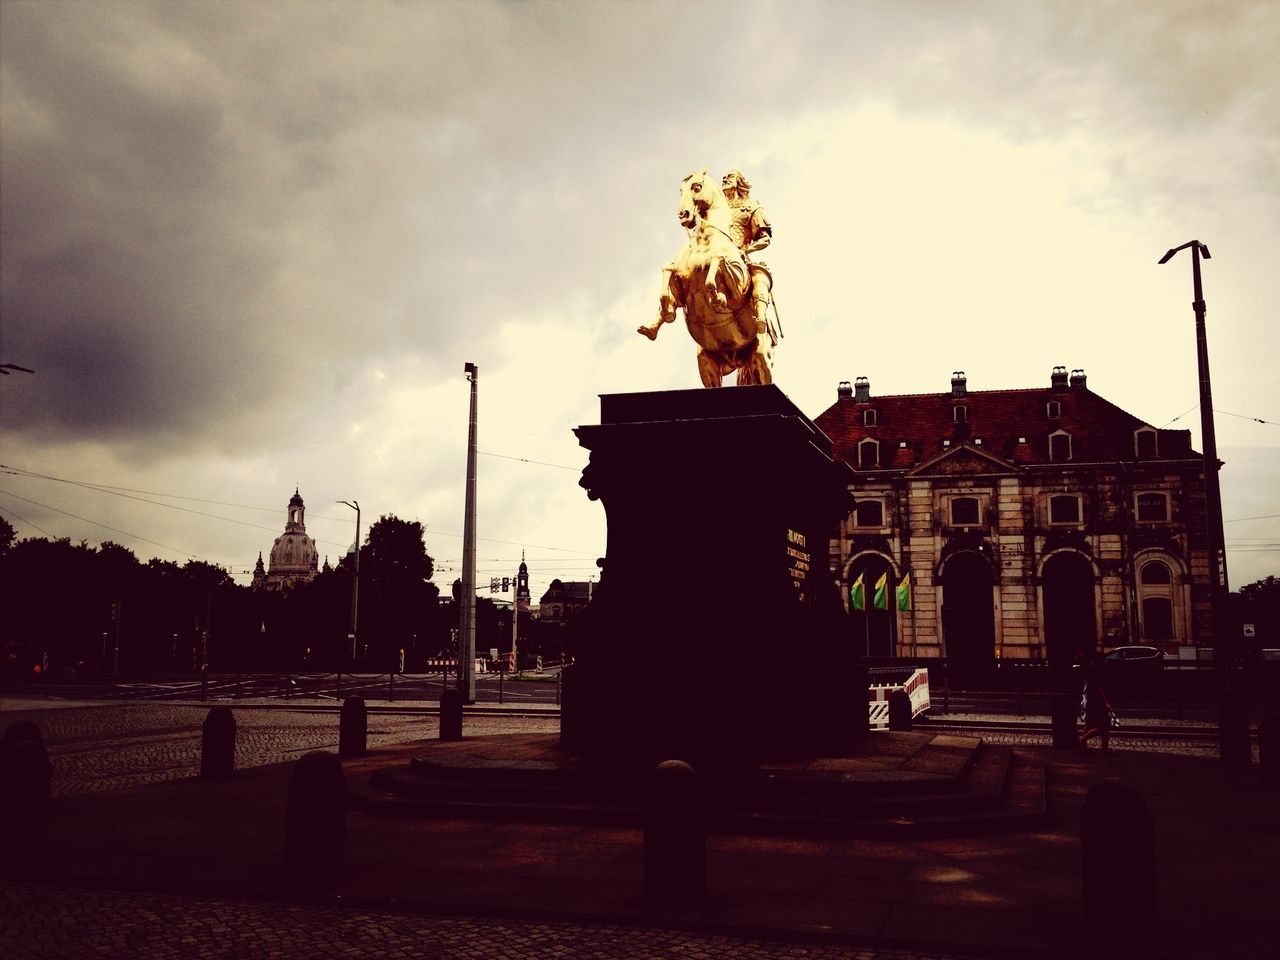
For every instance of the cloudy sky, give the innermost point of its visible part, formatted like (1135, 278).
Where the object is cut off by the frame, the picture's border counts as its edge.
(251, 245)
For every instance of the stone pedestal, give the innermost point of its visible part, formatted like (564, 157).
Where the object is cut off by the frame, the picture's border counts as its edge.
(717, 630)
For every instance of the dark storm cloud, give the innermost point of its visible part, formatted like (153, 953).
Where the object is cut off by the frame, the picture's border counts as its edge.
(199, 197)
(213, 211)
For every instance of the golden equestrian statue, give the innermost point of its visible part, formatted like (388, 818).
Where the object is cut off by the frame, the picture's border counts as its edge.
(724, 294)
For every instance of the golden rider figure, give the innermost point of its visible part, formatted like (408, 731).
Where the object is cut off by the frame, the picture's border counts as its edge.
(751, 231)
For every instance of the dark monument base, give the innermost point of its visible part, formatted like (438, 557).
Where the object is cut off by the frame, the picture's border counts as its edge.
(717, 632)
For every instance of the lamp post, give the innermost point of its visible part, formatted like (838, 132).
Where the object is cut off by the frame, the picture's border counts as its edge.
(355, 579)
(467, 609)
(1213, 492)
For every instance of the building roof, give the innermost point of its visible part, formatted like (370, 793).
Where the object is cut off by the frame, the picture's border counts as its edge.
(567, 591)
(1013, 425)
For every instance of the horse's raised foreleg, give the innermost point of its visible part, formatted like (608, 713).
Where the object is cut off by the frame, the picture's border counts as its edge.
(711, 284)
(668, 300)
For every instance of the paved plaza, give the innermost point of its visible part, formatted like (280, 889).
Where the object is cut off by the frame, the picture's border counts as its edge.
(148, 861)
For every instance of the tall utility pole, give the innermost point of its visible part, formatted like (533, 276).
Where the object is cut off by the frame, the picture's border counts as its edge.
(1213, 492)
(467, 609)
(355, 579)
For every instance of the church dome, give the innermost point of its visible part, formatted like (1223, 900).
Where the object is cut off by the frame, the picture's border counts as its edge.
(293, 556)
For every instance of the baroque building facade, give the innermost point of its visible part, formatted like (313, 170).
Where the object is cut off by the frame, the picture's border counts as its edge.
(1033, 523)
(564, 600)
(293, 556)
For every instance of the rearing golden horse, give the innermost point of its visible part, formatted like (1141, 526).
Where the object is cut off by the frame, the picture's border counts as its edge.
(711, 282)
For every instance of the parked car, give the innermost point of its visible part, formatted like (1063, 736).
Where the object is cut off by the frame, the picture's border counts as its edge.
(1147, 656)
(1136, 654)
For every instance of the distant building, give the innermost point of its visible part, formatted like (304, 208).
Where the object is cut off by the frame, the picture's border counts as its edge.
(522, 587)
(1032, 522)
(563, 600)
(293, 555)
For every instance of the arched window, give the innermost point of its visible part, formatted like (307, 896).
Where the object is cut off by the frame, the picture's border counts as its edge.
(1053, 409)
(965, 511)
(1064, 508)
(1155, 572)
(869, 513)
(1060, 446)
(960, 414)
(869, 454)
(868, 418)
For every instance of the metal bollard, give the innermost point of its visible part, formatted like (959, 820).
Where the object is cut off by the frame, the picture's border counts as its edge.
(900, 711)
(316, 816)
(1269, 751)
(1233, 735)
(451, 714)
(1118, 861)
(25, 778)
(1065, 709)
(21, 730)
(353, 728)
(218, 745)
(675, 837)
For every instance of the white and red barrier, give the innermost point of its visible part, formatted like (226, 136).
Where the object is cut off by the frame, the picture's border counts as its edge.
(917, 688)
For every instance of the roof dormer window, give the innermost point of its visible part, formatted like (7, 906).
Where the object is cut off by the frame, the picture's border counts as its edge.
(1145, 443)
(869, 454)
(1060, 446)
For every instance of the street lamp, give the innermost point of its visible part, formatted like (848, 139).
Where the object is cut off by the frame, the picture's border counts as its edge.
(467, 611)
(355, 580)
(1213, 492)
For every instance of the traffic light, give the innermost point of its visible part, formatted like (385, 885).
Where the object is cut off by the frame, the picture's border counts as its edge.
(493, 585)
(506, 584)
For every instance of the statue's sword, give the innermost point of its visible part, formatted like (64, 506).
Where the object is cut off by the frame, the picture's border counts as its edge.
(773, 300)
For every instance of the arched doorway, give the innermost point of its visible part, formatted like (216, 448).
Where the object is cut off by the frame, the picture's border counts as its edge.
(1155, 600)
(1070, 620)
(968, 613)
(874, 631)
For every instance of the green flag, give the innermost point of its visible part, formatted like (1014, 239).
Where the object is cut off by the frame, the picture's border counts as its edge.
(880, 600)
(858, 594)
(904, 592)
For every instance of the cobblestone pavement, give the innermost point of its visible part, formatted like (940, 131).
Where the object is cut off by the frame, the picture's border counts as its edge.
(109, 746)
(104, 747)
(46, 922)
(122, 744)
(1121, 740)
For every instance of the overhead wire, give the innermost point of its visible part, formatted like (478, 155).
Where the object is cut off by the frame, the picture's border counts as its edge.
(20, 519)
(126, 533)
(127, 492)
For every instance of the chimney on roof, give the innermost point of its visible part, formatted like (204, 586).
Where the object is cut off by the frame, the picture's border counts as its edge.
(1058, 379)
(1077, 378)
(844, 389)
(958, 384)
(861, 389)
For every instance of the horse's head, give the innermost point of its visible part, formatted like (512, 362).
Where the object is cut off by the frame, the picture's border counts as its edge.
(699, 196)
